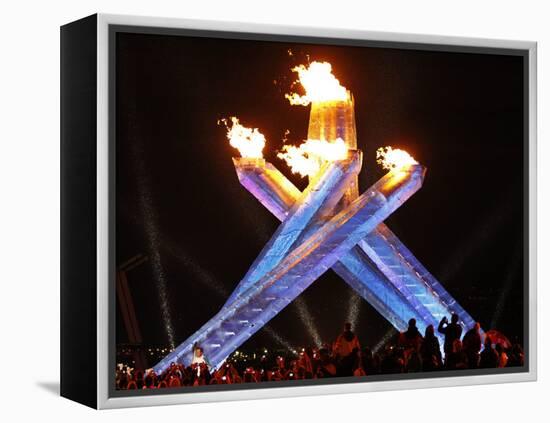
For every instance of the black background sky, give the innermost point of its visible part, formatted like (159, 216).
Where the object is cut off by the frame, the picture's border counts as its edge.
(459, 114)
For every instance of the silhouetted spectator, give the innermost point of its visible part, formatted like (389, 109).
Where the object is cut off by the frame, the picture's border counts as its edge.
(456, 359)
(358, 368)
(452, 331)
(414, 362)
(139, 379)
(201, 375)
(516, 358)
(312, 363)
(430, 350)
(344, 348)
(232, 374)
(122, 380)
(371, 362)
(250, 376)
(502, 356)
(327, 367)
(472, 346)
(392, 361)
(488, 359)
(149, 382)
(346, 342)
(305, 360)
(411, 338)
(174, 382)
(198, 356)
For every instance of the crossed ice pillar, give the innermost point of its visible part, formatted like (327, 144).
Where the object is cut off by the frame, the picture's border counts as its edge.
(380, 267)
(310, 240)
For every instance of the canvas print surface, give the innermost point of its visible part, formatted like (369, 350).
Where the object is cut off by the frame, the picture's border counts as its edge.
(293, 213)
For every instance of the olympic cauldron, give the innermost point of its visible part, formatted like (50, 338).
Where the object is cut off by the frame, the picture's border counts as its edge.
(326, 226)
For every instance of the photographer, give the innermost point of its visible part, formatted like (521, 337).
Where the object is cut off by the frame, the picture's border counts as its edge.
(452, 332)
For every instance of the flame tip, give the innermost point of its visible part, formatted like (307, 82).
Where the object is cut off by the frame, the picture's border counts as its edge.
(390, 158)
(249, 141)
(319, 83)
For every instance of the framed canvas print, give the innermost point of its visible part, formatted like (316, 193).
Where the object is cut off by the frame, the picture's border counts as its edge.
(254, 211)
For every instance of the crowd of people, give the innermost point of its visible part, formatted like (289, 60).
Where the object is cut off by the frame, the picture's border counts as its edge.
(411, 352)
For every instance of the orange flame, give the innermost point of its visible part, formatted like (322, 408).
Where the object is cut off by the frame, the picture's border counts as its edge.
(392, 159)
(319, 84)
(308, 158)
(249, 141)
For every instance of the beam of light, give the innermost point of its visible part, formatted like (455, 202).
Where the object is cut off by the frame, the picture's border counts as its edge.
(278, 338)
(257, 221)
(513, 268)
(307, 320)
(211, 282)
(353, 309)
(481, 235)
(201, 274)
(384, 340)
(152, 231)
(153, 237)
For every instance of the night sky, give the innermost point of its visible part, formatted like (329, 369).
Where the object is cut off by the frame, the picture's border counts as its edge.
(178, 199)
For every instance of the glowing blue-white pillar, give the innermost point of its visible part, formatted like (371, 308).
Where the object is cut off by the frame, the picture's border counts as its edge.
(404, 269)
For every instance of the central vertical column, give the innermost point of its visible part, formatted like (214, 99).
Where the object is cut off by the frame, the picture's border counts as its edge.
(329, 120)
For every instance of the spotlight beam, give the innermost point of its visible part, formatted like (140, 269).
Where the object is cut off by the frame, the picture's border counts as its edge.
(152, 232)
(384, 340)
(308, 321)
(212, 283)
(353, 309)
(201, 274)
(153, 237)
(513, 268)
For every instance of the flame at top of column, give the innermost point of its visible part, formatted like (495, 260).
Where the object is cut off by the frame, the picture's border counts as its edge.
(319, 83)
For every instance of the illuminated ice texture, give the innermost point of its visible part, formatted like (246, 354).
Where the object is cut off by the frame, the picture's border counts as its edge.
(305, 259)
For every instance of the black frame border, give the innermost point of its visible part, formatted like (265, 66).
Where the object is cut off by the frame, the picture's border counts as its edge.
(78, 211)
